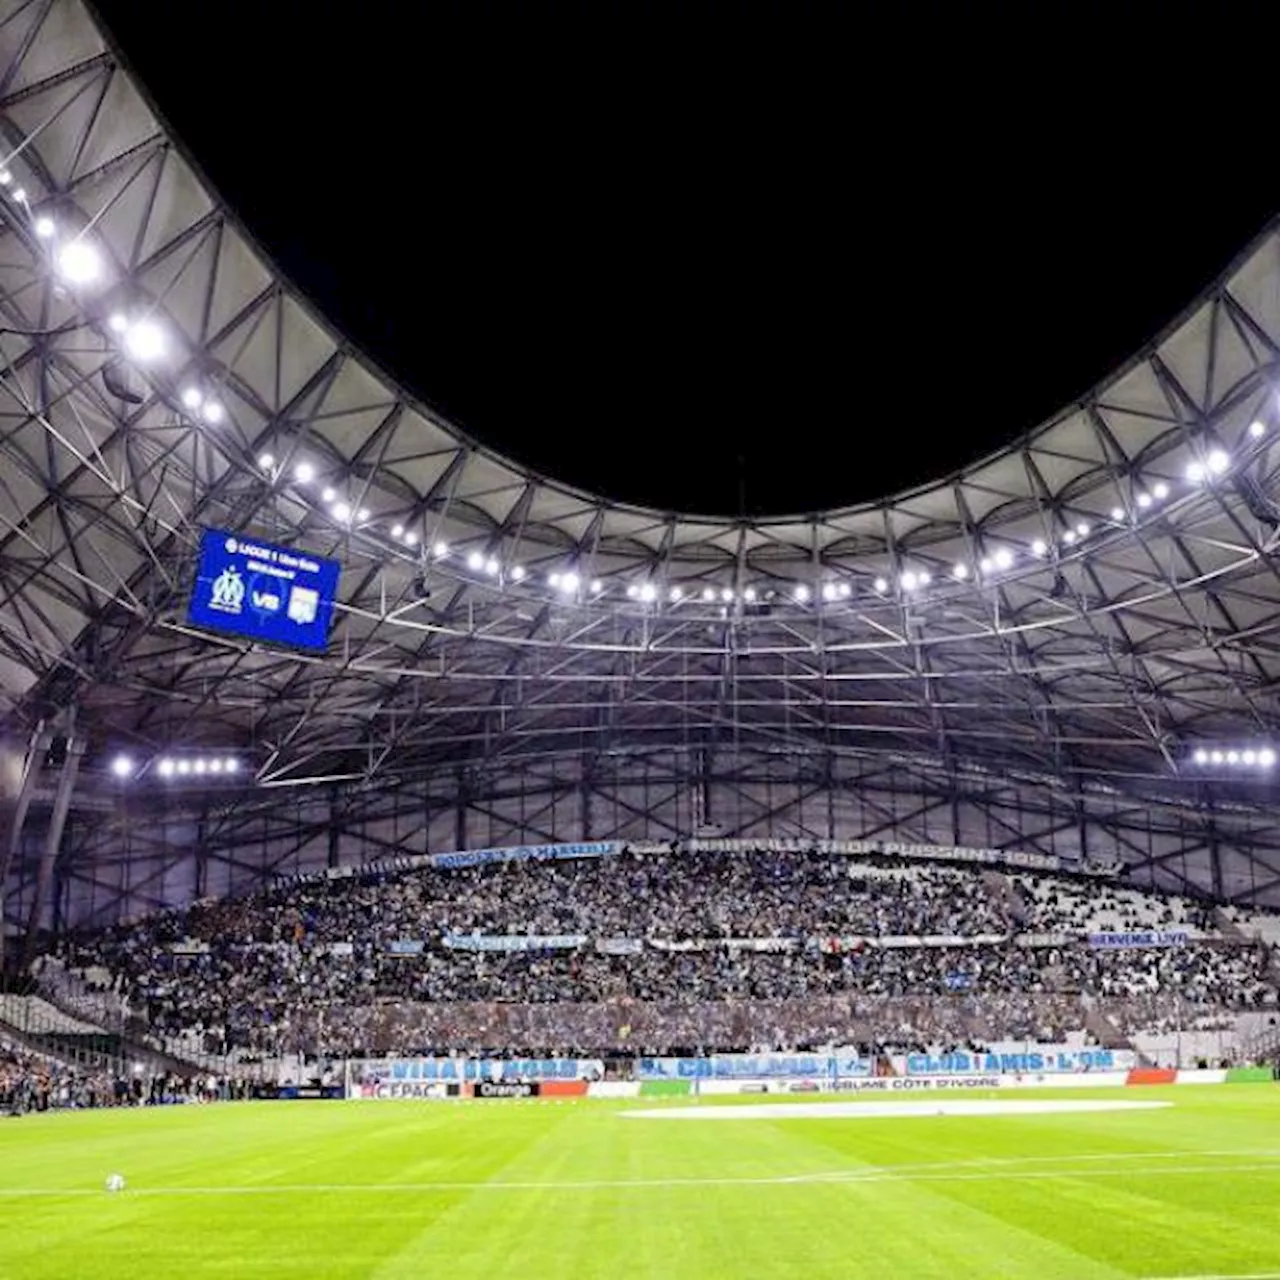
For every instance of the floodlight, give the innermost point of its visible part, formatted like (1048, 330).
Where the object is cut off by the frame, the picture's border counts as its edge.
(341, 512)
(215, 765)
(266, 461)
(517, 572)
(1216, 757)
(328, 495)
(1257, 429)
(1039, 547)
(231, 764)
(1144, 500)
(726, 594)
(192, 398)
(1195, 472)
(845, 591)
(491, 567)
(959, 571)
(908, 581)
(199, 766)
(1082, 529)
(596, 587)
(145, 340)
(1069, 538)
(165, 768)
(79, 263)
(749, 595)
(1004, 558)
(986, 564)
(676, 595)
(1233, 757)
(1117, 514)
(923, 578)
(45, 228)
(20, 195)
(5, 177)
(828, 590)
(118, 322)
(440, 550)
(1249, 757)
(1266, 757)
(122, 767)
(708, 594)
(397, 531)
(1201, 756)
(184, 767)
(570, 582)
(1218, 461)
(1160, 491)
(881, 585)
(411, 540)
(801, 593)
(648, 592)
(363, 515)
(304, 473)
(475, 562)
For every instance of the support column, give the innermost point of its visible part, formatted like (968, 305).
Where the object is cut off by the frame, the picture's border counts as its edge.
(52, 844)
(17, 782)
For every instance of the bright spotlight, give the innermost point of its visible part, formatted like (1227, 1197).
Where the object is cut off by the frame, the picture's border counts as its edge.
(1216, 757)
(1266, 757)
(726, 594)
(475, 562)
(1257, 429)
(570, 582)
(828, 590)
(213, 412)
(266, 461)
(633, 591)
(118, 322)
(79, 263)
(1117, 514)
(165, 768)
(986, 564)
(45, 228)
(1082, 530)
(1039, 548)
(411, 540)
(881, 585)
(1144, 500)
(397, 531)
(1004, 558)
(491, 567)
(960, 572)
(1233, 757)
(648, 593)
(908, 581)
(363, 515)
(801, 593)
(1201, 756)
(200, 767)
(676, 595)
(328, 495)
(1249, 757)
(341, 512)
(231, 764)
(191, 398)
(596, 586)
(215, 765)
(845, 590)
(708, 594)
(749, 595)
(1218, 461)
(440, 550)
(20, 195)
(5, 177)
(923, 578)
(1195, 472)
(145, 341)
(1160, 491)
(1069, 538)
(184, 767)
(304, 473)
(122, 767)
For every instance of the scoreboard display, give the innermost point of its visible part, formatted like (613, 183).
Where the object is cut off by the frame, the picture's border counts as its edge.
(279, 595)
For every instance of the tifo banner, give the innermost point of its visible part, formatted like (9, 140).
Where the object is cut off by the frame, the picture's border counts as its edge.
(406, 947)
(469, 1069)
(1040, 1059)
(620, 946)
(526, 853)
(1146, 938)
(885, 848)
(513, 942)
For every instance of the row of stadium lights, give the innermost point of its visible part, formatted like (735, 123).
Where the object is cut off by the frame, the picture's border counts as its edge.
(1234, 758)
(173, 767)
(143, 340)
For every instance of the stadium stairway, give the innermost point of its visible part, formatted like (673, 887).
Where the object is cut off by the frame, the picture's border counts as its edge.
(1228, 927)
(1003, 892)
(1103, 1030)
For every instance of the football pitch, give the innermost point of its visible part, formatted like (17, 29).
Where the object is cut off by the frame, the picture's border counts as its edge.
(392, 1190)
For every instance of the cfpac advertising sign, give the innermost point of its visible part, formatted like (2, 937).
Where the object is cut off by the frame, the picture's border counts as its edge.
(253, 588)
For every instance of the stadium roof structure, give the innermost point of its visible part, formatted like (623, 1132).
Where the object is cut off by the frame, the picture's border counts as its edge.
(1026, 653)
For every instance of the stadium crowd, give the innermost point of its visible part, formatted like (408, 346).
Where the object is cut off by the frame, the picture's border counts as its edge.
(654, 951)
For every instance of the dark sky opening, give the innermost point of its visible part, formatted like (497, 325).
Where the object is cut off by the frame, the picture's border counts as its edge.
(732, 261)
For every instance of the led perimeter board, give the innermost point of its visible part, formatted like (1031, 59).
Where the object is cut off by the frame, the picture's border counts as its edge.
(252, 588)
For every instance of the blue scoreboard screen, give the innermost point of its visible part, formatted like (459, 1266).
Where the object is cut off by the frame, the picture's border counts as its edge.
(253, 588)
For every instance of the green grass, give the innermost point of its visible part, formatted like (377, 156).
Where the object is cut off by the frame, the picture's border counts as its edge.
(398, 1190)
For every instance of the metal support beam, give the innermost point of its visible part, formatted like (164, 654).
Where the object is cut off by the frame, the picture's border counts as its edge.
(52, 844)
(17, 783)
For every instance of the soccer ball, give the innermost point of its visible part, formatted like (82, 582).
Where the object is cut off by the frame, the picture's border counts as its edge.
(115, 1182)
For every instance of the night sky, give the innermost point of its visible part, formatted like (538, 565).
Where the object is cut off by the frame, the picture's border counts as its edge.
(724, 258)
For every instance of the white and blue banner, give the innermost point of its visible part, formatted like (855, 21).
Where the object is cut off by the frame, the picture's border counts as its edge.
(1140, 939)
(1041, 1059)
(768, 1066)
(458, 1070)
(513, 942)
(525, 853)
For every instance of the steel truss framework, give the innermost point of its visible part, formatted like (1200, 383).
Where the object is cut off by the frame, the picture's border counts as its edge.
(1111, 612)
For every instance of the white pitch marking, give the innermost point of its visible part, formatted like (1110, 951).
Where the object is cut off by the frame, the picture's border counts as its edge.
(884, 1110)
(953, 1172)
